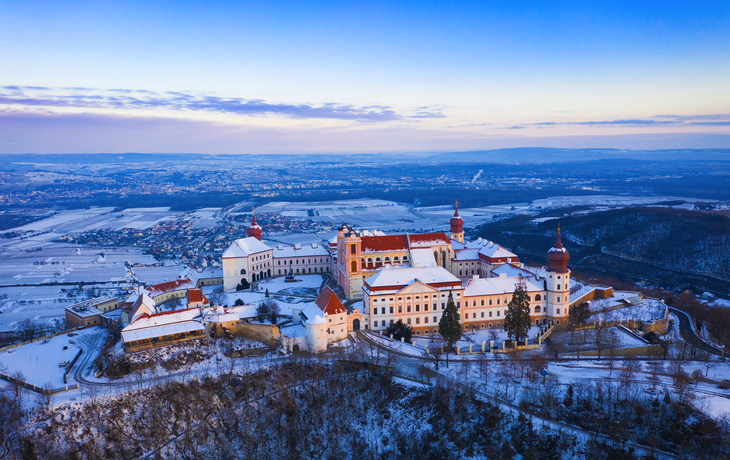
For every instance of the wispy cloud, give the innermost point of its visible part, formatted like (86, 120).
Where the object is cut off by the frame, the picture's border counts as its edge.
(173, 100)
(659, 120)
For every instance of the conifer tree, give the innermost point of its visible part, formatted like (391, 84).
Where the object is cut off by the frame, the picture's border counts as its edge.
(517, 321)
(449, 326)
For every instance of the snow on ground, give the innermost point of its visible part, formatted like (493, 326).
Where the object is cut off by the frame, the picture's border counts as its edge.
(397, 345)
(305, 285)
(650, 310)
(156, 275)
(721, 303)
(79, 220)
(39, 361)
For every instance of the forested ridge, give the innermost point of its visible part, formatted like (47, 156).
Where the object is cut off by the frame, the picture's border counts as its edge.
(668, 246)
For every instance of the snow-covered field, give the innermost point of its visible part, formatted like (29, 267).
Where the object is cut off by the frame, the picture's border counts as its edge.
(39, 361)
(79, 220)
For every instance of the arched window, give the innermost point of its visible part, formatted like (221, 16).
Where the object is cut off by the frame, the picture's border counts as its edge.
(354, 266)
(387, 260)
(396, 259)
(405, 258)
(538, 297)
(537, 309)
(243, 271)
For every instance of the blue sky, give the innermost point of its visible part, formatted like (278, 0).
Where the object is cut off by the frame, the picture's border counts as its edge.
(297, 77)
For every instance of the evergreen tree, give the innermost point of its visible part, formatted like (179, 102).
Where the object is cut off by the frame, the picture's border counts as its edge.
(399, 330)
(517, 321)
(449, 326)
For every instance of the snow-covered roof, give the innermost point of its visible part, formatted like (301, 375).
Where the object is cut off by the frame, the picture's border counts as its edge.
(143, 305)
(427, 240)
(422, 257)
(311, 310)
(161, 331)
(218, 315)
(244, 247)
(494, 251)
(497, 286)
(406, 276)
(467, 254)
(316, 320)
(385, 243)
(163, 318)
(510, 270)
(201, 273)
(299, 250)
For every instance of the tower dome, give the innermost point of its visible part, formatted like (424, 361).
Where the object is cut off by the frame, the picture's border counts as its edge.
(254, 230)
(558, 257)
(456, 222)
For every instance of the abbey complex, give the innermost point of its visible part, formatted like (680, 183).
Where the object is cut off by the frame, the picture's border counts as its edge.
(380, 278)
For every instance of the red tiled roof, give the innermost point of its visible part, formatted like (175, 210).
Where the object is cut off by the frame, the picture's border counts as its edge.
(196, 295)
(169, 286)
(384, 243)
(428, 239)
(328, 302)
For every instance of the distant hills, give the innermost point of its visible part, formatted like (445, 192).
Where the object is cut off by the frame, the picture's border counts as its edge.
(512, 155)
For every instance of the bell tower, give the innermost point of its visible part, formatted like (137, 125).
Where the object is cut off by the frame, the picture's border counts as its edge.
(457, 225)
(254, 230)
(558, 282)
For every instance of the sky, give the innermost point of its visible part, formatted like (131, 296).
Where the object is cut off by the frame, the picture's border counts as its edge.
(344, 77)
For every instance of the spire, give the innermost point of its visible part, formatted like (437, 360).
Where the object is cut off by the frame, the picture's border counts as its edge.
(456, 208)
(558, 243)
(253, 212)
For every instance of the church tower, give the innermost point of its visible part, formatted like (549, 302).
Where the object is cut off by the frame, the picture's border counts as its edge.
(558, 282)
(254, 230)
(349, 261)
(457, 225)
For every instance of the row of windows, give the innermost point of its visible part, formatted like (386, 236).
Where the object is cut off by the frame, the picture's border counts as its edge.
(304, 270)
(466, 327)
(387, 259)
(309, 261)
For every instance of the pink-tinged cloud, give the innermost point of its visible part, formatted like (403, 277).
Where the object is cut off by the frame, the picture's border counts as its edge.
(31, 132)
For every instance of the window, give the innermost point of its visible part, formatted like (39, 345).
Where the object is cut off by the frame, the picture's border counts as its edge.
(391, 322)
(391, 309)
(490, 302)
(375, 324)
(497, 323)
(482, 314)
(558, 276)
(537, 309)
(497, 301)
(353, 249)
(375, 311)
(418, 320)
(425, 320)
(435, 321)
(538, 297)
(558, 287)
(443, 305)
(425, 307)
(498, 313)
(409, 321)
(382, 311)
(408, 308)
(490, 324)
(558, 311)
(458, 304)
(418, 308)
(558, 298)
(482, 302)
(490, 314)
(353, 266)
(400, 309)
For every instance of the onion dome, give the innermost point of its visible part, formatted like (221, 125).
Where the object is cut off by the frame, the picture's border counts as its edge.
(254, 230)
(558, 257)
(456, 222)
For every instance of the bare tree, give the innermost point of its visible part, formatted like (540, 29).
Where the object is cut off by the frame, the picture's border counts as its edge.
(436, 350)
(218, 296)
